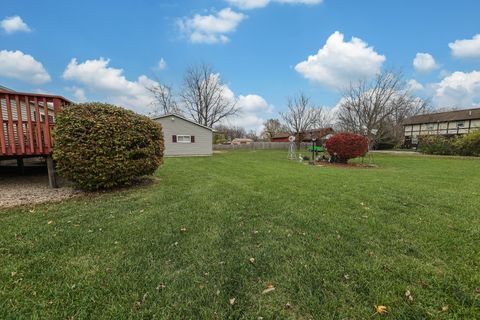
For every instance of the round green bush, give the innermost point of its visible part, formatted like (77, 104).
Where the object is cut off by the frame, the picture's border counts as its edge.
(99, 146)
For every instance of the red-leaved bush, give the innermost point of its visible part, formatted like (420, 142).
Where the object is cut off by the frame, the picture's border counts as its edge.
(346, 146)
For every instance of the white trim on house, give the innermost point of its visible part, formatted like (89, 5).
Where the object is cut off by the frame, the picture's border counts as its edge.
(184, 138)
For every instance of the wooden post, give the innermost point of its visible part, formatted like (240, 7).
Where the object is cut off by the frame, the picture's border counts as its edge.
(52, 177)
(21, 166)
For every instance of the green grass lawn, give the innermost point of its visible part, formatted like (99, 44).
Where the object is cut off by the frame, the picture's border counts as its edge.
(333, 242)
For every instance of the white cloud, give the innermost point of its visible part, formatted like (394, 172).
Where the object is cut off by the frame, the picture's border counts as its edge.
(162, 64)
(14, 24)
(253, 103)
(21, 66)
(79, 93)
(460, 89)
(414, 85)
(211, 28)
(466, 48)
(339, 62)
(110, 84)
(253, 109)
(254, 4)
(424, 62)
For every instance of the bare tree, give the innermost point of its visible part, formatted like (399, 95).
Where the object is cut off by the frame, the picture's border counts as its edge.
(301, 116)
(165, 102)
(231, 132)
(252, 134)
(376, 108)
(271, 128)
(205, 98)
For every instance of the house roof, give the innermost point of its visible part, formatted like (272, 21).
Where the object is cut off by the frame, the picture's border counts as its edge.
(456, 115)
(183, 118)
(318, 133)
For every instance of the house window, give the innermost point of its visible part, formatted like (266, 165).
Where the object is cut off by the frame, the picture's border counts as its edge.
(184, 139)
(460, 124)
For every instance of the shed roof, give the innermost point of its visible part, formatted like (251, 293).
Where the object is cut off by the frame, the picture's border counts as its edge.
(183, 118)
(456, 115)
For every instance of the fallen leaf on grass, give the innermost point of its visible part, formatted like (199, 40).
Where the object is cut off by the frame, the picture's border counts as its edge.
(408, 295)
(13, 273)
(445, 308)
(380, 310)
(161, 286)
(50, 222)
(183, 229)
(252, 260)
(269, 288)
(288, 305)
(231, 301)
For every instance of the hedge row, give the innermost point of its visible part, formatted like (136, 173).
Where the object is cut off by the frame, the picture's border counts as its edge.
(465, 145)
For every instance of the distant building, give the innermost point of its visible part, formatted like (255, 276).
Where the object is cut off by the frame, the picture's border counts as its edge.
(184, 137)
(239, 141)
(449, 123)
(307, 136)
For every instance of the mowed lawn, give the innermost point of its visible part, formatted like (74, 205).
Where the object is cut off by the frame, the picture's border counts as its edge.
(332, 242)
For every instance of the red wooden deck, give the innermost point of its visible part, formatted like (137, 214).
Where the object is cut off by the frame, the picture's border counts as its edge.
(27, 122)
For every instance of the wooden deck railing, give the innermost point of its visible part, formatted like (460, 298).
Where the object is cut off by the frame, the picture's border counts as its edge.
(27, 122)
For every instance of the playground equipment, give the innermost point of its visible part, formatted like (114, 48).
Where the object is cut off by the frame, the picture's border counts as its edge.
(292, 148)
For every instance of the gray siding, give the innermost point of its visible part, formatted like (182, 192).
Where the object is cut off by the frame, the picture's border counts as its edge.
(203, 138)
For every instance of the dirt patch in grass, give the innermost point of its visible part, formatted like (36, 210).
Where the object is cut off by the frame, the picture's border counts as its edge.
(31, 189)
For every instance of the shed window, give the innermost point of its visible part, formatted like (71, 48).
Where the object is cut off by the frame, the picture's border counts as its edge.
(460, 124)
(430, 127)
(184, 139)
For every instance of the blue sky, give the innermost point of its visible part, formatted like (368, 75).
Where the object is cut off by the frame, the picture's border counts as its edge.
(260, 48)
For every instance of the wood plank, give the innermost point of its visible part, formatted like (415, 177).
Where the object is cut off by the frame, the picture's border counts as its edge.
(2, 133)
(46, 128)
(11, 139)
(38, 127)
(20, 136)
(29, 124)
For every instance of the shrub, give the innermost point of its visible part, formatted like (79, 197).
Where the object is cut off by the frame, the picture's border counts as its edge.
(465, 145)
(434, 144)
(101, 146)
(469, 144)
(347, 146)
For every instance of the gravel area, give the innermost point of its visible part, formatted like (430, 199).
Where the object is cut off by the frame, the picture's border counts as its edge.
(30, 188)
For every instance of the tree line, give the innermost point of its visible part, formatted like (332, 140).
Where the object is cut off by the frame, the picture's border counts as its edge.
(374, 108)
